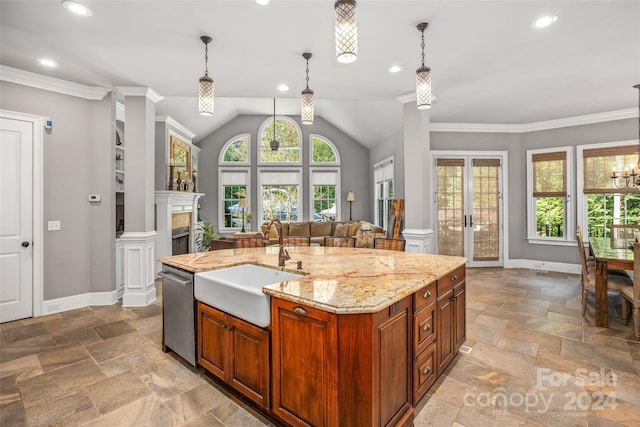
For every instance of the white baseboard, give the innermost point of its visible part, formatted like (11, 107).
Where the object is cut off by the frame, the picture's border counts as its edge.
(78, 301)
(531, 264)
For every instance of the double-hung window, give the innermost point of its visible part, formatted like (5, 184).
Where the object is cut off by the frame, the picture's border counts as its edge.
(383, 176)
(549, 186)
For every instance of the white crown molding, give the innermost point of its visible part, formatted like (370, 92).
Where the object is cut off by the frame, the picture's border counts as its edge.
(140, 91)
(586, 119)
(52, 84)
(176, 125)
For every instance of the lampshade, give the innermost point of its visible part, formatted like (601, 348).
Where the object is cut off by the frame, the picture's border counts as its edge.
(346, 31)
(306, 99)
(205, 84)
(423, 78)
(242, 203)
(351, 197)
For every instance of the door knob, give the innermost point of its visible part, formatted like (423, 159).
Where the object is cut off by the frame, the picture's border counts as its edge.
(25, 244)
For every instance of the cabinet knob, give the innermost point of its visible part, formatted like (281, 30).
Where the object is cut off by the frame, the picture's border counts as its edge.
(427, 293)
(301, 311)
(454, 277)
(426, 327)
(427, 370)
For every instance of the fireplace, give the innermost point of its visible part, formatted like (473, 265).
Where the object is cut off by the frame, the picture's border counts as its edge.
(180, 233)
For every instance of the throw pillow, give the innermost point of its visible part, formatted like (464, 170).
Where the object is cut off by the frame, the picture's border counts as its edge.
(273, 233)
(352, 229)
(366, 240)
(341, 230)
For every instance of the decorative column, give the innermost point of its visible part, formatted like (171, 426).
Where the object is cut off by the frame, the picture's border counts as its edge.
(417, 176)
(139, 237)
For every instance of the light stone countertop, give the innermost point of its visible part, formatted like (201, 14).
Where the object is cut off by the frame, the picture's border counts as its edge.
(336, 280)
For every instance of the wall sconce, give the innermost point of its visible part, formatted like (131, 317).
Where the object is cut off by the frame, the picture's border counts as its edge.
(350, 198)
(243, 204)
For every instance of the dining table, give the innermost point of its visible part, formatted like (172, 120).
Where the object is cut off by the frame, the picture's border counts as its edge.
(608, 254)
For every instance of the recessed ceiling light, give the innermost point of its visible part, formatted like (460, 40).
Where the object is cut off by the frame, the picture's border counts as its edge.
(283, 87)
(544, 21)
(262, 2)
(395, 68)
(47, 62)
(77, 8)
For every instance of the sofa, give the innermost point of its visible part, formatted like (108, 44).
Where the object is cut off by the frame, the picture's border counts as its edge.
(362, 231)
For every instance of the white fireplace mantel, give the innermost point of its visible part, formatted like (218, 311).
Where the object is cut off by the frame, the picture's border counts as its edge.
(167, 204)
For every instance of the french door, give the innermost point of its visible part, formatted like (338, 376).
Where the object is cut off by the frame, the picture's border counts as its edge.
(469, 208)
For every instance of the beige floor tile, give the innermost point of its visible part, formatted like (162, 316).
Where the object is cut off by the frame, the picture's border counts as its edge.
(62, 356)
(114, 329)
(146, 411)
(171, 380)
(67, 409)
(435, 412)
(112, 393)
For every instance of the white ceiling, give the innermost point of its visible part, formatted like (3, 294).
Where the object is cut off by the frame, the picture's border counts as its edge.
(488, 64)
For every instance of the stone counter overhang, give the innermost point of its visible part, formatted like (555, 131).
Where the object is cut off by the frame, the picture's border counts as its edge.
(336, 280)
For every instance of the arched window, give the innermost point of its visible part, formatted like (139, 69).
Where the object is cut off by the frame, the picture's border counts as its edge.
(287, 133)
(322, 151)
(236, 150)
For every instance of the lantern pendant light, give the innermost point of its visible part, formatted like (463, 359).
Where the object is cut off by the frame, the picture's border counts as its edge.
(306, 99)
(274, 144)
(423, 78)
(346, 29)
(205, 83)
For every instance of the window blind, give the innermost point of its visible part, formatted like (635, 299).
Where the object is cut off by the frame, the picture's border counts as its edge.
(599, 164)
(550, 174)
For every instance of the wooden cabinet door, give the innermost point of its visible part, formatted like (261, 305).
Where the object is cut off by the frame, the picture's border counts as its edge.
(460, 316)
(424, 372)
(393, 350)
(444, 330)
(305, 364)
(212, 340)
(249, 360)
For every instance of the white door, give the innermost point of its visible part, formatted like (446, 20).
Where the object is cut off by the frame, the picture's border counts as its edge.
(16, 219)
(469, 211)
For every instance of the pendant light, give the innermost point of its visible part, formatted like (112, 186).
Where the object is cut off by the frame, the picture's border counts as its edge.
(346, 31)
(205, 83)
(275, 144)
(423, 78)
(306, 99)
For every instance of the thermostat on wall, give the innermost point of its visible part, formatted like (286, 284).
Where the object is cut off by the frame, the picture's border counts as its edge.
(94, 197)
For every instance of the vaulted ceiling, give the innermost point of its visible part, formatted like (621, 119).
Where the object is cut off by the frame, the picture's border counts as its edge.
(489, 65)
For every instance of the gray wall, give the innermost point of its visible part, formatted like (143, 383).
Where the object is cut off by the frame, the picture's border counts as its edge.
(353, 156)
(78, 156)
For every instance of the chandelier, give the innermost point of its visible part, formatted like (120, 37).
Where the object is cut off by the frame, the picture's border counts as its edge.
(205, 83)
(306, 98)
(629, 176)
(423, 78)
(346, 31)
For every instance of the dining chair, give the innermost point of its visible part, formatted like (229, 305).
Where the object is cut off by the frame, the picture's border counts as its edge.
(297, 241)
(390, 244)
(631, 295)
(591, 262)
(221, 243)
(615, 283)
(343, 242)
(249, 242)
(624, 231)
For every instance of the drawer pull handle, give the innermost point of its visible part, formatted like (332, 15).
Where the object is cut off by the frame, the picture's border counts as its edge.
(426, 327)
(427, 370)
(454, 277)
(301, 311)
(427, 293)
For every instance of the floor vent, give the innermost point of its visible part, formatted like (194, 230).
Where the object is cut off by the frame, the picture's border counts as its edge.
(466, 350)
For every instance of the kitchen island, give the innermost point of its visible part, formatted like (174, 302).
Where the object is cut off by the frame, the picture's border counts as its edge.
(357, 339)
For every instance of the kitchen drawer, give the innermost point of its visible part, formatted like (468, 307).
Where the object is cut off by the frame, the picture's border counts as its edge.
(451, 279)
(424, 372)
(424, 328)
(424, 296)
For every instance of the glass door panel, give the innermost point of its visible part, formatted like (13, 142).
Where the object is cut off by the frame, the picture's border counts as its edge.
(450, 207)
(486, 210)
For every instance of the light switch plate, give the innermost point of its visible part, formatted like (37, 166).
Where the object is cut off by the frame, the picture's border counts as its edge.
(53, 225)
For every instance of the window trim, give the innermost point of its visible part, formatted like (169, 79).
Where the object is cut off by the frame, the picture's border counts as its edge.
(221, 172)
(581, 203)
(381, 164)
(261, 129)
(336, 171)
(331, 144)
(569, 235)
(225, 147)
(266, 170)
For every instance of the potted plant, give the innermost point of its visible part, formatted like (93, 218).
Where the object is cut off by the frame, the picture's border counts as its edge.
(206, 233)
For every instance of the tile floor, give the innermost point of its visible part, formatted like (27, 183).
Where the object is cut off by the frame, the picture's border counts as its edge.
(534, 361)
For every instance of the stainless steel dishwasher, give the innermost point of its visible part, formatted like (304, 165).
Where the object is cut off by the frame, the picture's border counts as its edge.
(178, 312)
